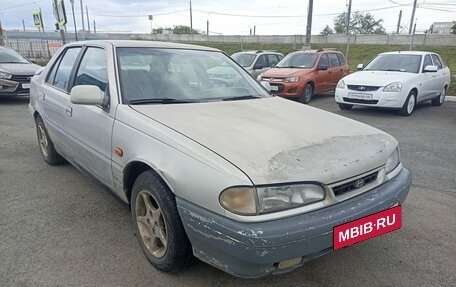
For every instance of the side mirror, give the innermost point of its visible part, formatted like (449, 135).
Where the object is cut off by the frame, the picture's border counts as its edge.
(258, 67)
(360, 67)
(431, 69)
(322, 68)
(266, 85)
(87, 95)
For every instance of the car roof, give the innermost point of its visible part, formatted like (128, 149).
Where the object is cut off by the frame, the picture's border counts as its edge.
(319, 51)
(144, 44)
(407, 53)
(258, 52)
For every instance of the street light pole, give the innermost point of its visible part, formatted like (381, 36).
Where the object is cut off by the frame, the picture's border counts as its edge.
(74, 20)
(309, 22)
(82, 17)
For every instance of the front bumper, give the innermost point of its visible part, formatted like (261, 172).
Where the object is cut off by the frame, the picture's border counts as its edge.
(14, 88)
(287, 90)
(379, 98)
(255, 249)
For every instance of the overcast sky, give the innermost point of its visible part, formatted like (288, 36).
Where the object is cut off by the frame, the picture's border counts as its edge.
(289, 15)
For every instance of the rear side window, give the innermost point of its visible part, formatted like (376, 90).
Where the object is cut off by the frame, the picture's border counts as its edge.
(341, 59)
(63, 72)
(437, 61)
(93, 69)
(334, 60)
(427, 61)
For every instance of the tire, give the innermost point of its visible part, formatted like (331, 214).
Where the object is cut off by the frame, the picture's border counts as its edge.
(345, 107)
(154, 214)
(409, 105)
(440, 99)
(50, 155)
(307, 94)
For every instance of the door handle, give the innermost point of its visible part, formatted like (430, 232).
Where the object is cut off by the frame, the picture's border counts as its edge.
(69, 111)
(42, 96)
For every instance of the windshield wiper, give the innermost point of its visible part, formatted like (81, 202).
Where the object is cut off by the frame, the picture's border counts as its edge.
(247, 97)
(159, 101)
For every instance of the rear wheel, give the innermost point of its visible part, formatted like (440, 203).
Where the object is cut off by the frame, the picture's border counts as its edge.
(50, 155)
(345, 107)
(307, 94)
(409, 105)
(440, 99)
(157, 223)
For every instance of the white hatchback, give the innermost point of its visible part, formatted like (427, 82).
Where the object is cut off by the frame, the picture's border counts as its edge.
(396, 80)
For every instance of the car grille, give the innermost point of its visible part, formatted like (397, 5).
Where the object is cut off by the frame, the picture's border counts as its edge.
(21, 78)
(354, 184)
(359, 101)
(363, 88)
(280, 86)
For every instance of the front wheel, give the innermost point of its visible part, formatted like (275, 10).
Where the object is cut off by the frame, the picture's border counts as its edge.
(409, 105)
(157, 224)
(307, 94)
(345, 107)
(440, 99)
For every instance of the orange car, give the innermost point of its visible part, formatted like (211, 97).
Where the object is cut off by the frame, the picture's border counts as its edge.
(302, 74)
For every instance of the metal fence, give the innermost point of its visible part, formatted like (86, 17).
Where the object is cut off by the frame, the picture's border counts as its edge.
(44, 45)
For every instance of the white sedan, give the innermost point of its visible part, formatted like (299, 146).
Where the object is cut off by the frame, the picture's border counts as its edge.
(396, 80)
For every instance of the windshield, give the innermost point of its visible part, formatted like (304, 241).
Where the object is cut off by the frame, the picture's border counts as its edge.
(243, 59)
(395, 62)
(153, 75)
(9, 56)
(298, 60)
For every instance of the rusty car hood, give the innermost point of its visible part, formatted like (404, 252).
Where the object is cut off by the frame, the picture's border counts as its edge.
(273, 140)
(285, 72)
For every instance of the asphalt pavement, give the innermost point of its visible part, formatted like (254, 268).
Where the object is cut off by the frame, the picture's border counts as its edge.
(60, 228)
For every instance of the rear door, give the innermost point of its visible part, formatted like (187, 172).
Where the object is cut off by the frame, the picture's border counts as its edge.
(90, 127)
(52, 96)
(335, 71)
(442, 74)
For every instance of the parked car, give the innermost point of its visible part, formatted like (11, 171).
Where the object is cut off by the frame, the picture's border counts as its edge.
(302, 74)
(248, 182)
(257, 62)
(397, 80)
(15, 73)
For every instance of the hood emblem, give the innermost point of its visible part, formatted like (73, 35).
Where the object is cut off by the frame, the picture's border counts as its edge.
(359, 183)
(362, 88)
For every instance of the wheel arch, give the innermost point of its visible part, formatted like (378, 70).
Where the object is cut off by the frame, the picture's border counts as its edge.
(131, 172)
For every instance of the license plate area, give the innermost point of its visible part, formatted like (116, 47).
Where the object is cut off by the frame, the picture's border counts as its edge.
(274, 88)
(26, 86)
(360, 96)
(367, 227)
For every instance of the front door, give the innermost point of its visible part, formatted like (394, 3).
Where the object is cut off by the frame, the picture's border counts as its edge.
(91, 126)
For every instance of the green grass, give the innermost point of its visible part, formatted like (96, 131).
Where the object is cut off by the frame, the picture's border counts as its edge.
(357, 53)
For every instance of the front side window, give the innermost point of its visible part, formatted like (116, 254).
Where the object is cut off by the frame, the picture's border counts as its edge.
(262, 61)
(437, 61)
(298, 60)
(427, 61)
(93, 69)
(63, 72)
(244, 59)
(395, 62)
(324, 61)
(273, 59)
(156, 75)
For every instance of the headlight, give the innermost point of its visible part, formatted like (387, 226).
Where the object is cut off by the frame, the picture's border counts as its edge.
(259, 78)
(341, 84)
(291, 79)
(393, 87)
(240, 200)
(393, 161)
(277, 198)
(4, 75)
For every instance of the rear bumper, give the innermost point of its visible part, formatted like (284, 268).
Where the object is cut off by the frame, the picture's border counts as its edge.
(254, 249)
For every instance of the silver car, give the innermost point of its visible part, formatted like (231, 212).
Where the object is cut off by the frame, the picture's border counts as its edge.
(248, 182)
(257, 62)
(15, 73)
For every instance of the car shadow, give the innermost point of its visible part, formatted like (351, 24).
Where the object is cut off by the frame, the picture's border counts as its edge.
(14, 100)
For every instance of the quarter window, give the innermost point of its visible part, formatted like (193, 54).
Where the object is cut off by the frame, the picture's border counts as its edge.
(437, 61)
(63, 73)
(93, 69)
(334, 60)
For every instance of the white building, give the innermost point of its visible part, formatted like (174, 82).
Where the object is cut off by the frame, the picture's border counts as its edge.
(441, 28)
